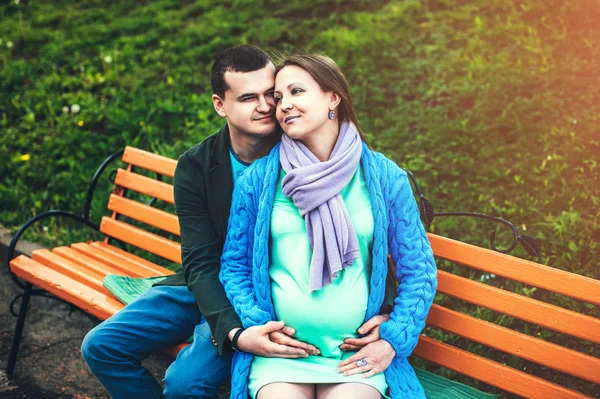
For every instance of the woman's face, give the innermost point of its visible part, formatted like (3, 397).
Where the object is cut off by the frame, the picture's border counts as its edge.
(302, 107)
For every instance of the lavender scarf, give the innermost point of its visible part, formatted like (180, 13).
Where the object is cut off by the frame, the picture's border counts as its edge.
(314, 187)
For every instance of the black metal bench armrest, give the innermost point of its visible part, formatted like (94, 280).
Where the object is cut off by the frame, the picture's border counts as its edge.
(530, 244)
(92, 187)
(53, 213)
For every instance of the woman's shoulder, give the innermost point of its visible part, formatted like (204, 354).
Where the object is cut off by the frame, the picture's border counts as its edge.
(382, 166)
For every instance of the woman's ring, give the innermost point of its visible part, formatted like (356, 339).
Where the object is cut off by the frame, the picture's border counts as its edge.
(361, 362)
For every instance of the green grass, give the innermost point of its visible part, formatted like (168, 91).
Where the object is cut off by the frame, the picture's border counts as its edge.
(494, 105)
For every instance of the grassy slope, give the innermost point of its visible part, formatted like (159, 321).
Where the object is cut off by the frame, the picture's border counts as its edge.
(494, 105)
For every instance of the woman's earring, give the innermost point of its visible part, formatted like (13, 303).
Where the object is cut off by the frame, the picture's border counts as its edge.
(332, 115)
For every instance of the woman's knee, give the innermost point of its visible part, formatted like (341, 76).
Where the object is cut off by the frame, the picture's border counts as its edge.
(286, 390)
(350, 390)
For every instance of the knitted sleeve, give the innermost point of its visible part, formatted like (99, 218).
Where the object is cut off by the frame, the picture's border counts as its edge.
(416, 272)
(236, 261)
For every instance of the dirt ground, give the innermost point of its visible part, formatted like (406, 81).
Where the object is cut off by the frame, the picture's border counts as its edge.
(49, 364)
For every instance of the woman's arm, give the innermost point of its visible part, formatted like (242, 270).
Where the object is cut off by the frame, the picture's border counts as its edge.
(236, 261)
(416, 272)
(236, 277)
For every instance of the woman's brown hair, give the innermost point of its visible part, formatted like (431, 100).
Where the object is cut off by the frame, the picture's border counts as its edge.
(330, 77)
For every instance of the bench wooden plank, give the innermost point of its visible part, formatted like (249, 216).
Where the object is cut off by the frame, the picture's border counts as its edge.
(490, 372)
(144, 213)
(150, 161)
(153, 267)
(126, 268)
(83, 260)
(84, 275)
(79, 294)
(524, 308)
(145, 185)
(142, 239)
(515, 343)
(549, 278)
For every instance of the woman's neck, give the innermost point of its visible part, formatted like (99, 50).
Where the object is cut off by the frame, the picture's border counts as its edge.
(322, 142)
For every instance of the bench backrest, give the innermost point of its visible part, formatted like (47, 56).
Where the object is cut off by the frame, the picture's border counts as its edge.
(504, 339)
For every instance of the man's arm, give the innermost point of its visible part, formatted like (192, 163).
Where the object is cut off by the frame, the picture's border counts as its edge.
(201, 255)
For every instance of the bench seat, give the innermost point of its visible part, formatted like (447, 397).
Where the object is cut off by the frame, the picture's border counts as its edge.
(75, 274)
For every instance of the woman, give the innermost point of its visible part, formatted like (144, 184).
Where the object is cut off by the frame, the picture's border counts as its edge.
(310, 230)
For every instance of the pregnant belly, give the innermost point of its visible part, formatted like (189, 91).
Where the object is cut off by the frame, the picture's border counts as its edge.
(323, 318)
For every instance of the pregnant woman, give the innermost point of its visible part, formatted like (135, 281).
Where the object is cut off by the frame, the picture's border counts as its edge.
(310, 230)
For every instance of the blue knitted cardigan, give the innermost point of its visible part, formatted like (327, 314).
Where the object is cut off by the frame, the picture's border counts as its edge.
(399, 232)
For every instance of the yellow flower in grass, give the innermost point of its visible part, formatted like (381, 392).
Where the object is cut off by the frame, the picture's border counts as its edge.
(25, 157)
(80, 123)
(142, 123)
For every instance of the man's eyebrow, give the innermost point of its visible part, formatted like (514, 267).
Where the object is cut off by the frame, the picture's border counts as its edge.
(242, 96)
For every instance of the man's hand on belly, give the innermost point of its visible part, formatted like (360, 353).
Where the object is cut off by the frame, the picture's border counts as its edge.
(272, 339)
(285, 337)
(370, 332)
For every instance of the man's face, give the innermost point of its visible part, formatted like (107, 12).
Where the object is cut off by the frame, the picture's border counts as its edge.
(248, 104)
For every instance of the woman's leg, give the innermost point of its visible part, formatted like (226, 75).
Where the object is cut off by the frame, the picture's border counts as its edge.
(286, 390)
(349, 390)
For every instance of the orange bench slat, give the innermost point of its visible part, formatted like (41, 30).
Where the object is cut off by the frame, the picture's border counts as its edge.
(126, 268)
(142, 239)
(151, 267)
(145, 185)
(548, 278)
(79, 294)
(524, 308)
(144, 213)
(491, 372)
(83, 260)
(515, 343)
(150, 161)
(77, 272)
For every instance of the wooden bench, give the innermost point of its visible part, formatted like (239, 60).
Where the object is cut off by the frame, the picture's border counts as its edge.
(75, 275)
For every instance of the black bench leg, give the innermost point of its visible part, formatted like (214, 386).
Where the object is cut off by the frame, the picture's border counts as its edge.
(14, 349)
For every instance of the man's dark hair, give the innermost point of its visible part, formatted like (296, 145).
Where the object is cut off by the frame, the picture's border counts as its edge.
(243, 58)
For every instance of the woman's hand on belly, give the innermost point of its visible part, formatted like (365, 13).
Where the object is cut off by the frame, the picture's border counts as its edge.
(378, 356)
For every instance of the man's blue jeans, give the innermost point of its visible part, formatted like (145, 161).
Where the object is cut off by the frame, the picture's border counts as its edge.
(162, 317)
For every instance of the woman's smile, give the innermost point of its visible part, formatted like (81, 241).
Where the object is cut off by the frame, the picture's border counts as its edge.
(291, 119)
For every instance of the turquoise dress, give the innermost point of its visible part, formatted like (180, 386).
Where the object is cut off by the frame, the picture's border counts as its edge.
(323, 318)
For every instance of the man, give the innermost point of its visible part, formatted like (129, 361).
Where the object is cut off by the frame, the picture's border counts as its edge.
(243, 79)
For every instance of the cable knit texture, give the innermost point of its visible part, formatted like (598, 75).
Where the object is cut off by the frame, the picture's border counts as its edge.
(399, 232)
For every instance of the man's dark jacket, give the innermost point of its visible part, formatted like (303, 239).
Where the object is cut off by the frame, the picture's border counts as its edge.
(203, 187)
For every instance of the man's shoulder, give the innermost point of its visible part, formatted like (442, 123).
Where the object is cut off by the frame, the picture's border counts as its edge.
(202, 149)
(199, 155)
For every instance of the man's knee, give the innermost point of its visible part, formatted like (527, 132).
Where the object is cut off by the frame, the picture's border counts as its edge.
(186, 381)
(95, 346)
(180, 384)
